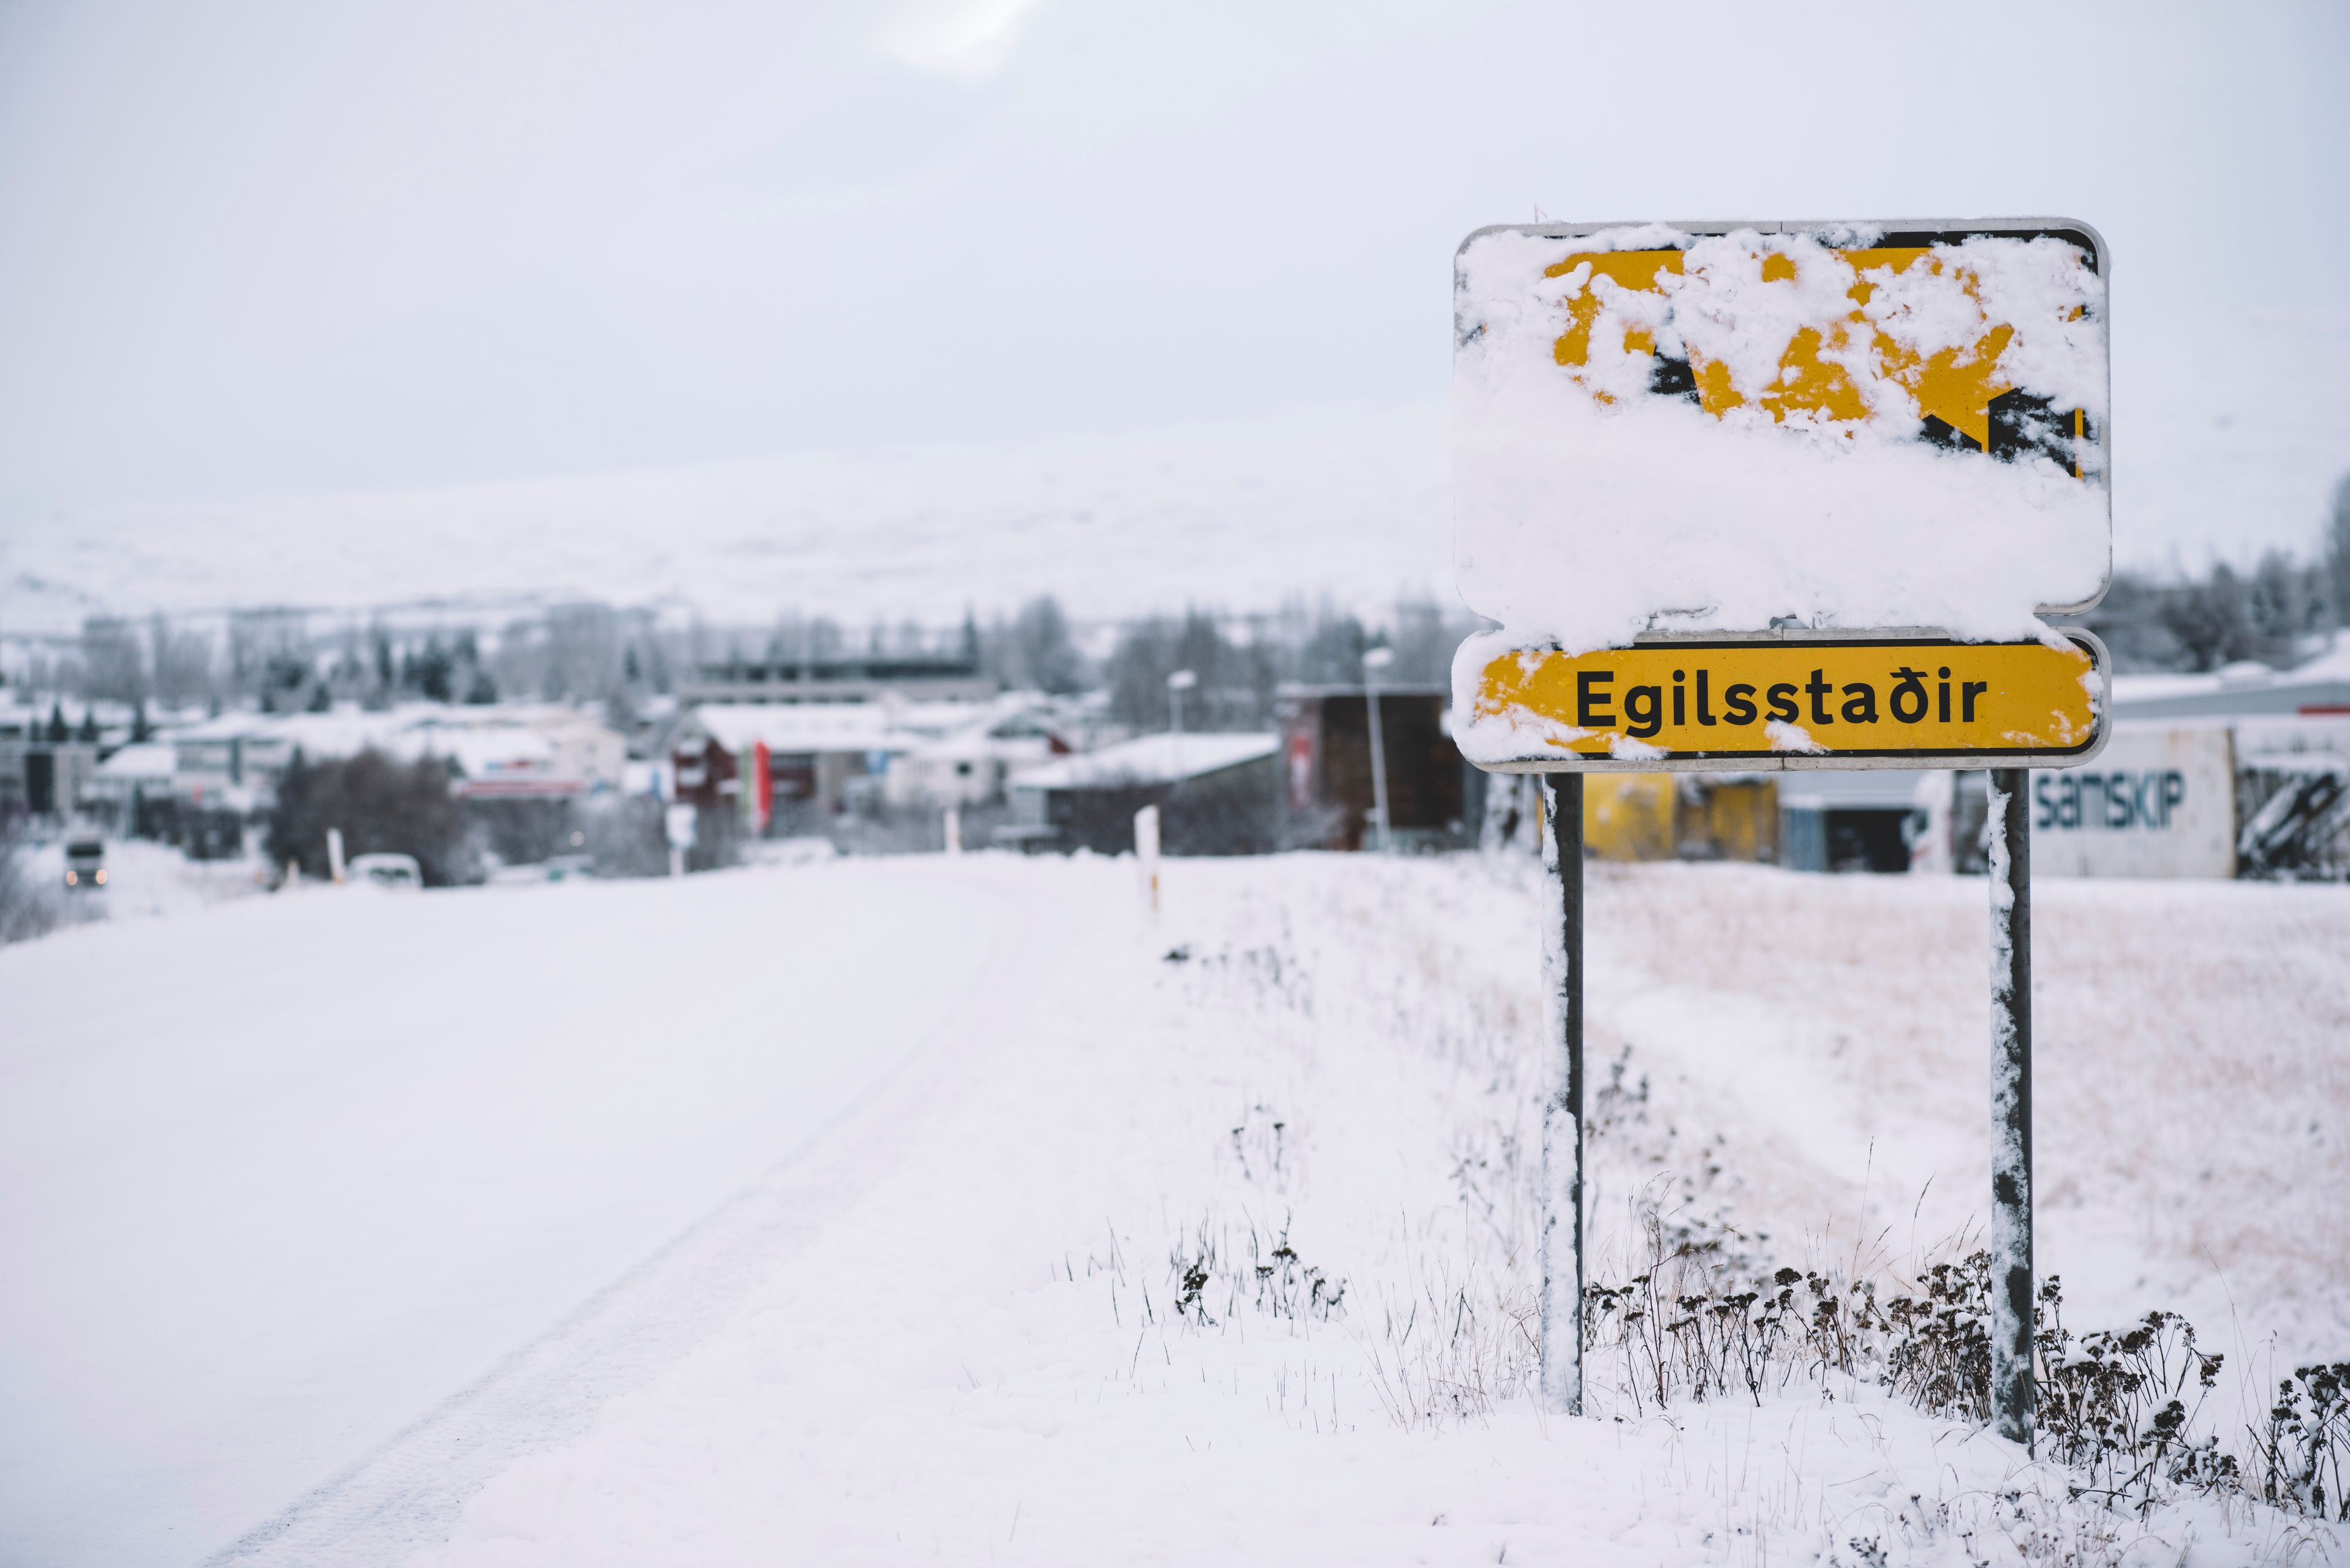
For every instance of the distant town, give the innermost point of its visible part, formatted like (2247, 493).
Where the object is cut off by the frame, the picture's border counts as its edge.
(590, 741)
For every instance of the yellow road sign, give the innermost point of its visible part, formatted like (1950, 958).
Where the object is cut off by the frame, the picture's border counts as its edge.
(1889, 702)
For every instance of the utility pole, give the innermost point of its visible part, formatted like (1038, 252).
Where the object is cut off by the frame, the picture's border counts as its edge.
(1180, 681)
(1374, 660)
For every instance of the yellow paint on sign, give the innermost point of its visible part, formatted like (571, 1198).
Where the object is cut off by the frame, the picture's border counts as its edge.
(1955, 385)
(1923, 699)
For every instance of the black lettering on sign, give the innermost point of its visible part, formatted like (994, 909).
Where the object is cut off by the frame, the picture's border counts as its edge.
(1737, 704)
(1681, 702)
(1704, 711)
(1860, 704)
(1589, 705)
(1968, 691)
(1782, 702)
(1645, 706)
(1942, 712)
(1909, 699)
(1820, 690)
(2042, 786)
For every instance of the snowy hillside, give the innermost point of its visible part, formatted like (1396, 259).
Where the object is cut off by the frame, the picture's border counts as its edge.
(1237, 515)
(2225, 441)
(877, 1210)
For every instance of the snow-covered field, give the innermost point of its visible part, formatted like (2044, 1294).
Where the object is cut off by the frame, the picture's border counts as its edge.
(844, 1211)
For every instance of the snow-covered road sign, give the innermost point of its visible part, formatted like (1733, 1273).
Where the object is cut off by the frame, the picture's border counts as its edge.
(1774, 496)
(1779, 703)
(1845, 429)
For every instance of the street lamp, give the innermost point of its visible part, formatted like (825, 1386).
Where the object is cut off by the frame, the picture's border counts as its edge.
(1374, 660)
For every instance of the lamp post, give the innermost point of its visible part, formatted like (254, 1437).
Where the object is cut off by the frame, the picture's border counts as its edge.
(1374, 660)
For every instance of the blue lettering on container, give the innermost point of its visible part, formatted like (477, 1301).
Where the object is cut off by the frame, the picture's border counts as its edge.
(2146, 799)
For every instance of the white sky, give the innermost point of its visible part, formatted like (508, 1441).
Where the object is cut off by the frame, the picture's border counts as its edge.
(251, 249)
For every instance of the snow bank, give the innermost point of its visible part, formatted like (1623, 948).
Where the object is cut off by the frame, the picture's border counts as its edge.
(1659, 429)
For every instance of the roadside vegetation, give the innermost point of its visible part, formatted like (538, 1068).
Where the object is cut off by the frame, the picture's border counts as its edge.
(2141, 1440)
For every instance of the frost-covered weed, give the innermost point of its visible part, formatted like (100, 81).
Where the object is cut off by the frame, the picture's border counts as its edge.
(2299, 1450)
(2123, 1409)
(1217, 1274)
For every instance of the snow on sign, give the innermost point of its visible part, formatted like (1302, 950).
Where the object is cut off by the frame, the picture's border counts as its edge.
(1773, 434)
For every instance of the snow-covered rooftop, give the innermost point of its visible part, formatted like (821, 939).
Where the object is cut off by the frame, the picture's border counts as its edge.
(2245, 687)
(147, 760)
(1151, 759)
(478, 739)
(801, 726)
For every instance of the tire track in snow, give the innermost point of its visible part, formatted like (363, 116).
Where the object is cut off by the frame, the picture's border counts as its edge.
(409, 1493)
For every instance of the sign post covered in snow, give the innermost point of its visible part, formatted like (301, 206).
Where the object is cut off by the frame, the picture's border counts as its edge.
(1781, 495)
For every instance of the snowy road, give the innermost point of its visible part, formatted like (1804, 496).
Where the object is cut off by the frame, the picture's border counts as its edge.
(280, 1182)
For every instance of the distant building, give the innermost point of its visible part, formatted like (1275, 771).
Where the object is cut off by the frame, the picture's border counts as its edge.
(748, 762)
(47, 760)
(917, 677)
(1681, 816)
(131, 784)
(581, 742)
(1216, 795)
(966, 753)
(1858, 819)
(1435, 796)
(524, 752)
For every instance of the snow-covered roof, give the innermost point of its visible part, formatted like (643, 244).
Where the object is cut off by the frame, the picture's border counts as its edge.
(1151, 759)
(482, 741)
(800, 726)
(147, 760)
(340, 733)
(2242, 687)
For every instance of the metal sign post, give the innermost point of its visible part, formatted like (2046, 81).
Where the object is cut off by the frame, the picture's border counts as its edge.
(1563, 1280)
(1713, 538)
(2011, 1390)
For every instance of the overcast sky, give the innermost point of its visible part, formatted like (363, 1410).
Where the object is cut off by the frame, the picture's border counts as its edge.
(248, 249)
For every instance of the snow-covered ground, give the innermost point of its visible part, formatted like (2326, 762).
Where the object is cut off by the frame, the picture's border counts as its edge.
(842, 1212)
